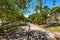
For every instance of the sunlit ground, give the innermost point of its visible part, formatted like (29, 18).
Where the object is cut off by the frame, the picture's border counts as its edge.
(57, 28)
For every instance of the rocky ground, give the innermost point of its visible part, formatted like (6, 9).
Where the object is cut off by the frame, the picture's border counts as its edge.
(31, 32)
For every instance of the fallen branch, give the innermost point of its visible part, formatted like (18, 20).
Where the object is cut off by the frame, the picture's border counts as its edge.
(12, 25)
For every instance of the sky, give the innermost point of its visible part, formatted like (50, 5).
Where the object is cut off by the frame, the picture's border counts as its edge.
(34, 2)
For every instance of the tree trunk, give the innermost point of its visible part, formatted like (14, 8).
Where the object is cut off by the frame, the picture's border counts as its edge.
(40, 5)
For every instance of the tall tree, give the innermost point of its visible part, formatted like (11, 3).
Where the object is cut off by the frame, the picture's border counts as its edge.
(36, 8)
(40, 5)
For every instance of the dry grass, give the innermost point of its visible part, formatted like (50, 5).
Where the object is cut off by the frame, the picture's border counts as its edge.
(57, 28)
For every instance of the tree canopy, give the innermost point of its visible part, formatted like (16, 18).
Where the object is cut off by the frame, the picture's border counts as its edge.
(12, 9)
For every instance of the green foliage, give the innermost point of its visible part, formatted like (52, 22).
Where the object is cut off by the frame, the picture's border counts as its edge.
(26, 19)
(22, 4)
(55, 12)
(8, 29)
(20, 16)
(55, 9)
(36, 8)
(32, 16)
(10, 10)
(40, 17)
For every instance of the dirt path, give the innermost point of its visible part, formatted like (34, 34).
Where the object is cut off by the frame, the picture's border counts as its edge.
(41, 33)
(35, 27)
(50, 33)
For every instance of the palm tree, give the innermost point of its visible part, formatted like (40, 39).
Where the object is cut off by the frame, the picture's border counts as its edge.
(36, 8)
(40, 5)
